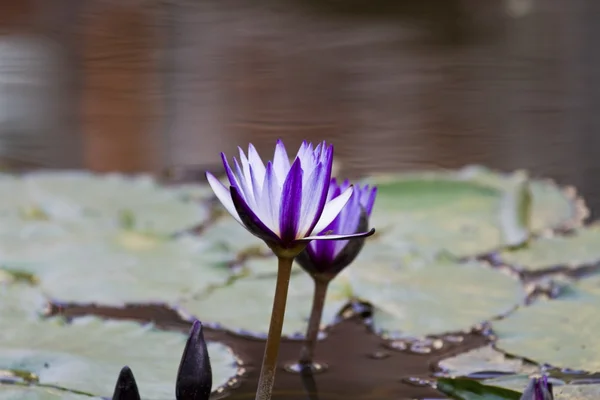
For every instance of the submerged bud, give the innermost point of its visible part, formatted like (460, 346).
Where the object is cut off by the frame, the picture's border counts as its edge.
(126, 387)
(194, 378)
(538, 389)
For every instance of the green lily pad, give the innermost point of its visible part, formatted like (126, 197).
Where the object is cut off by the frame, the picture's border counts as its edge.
(483, 359)
(20, 302)
(228, 234)
(131, 268)
(432, 297)
(461, 211)
(18, 392)
(574, 250)
(88, 354)
(561, 332)
(245, 305)
(103, 200)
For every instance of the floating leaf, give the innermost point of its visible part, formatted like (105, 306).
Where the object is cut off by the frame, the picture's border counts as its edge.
(18, 392)
(246, 304)
(228, 234)
(458, 211)
(582, 247)
(515, 212)
(468, 389)
(20, 302)
(88, 354)
(432, 297)
(485, 359)
(131, 268)
(560, 332)
(88, 198)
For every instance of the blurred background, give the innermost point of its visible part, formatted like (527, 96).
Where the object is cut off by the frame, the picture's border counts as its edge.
(145, 85)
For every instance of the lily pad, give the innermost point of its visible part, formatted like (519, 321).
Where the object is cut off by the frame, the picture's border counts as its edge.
(432, 297)
(18, 392)
(485, 359)
(228, 234)
(461, 211)
(104, 199)
(20, 302)
(580, 248)
(88, 354)
(131, 268)
(245, 305)
(561, 332)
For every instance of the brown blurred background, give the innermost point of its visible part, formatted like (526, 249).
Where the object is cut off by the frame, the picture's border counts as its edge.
(138, 85)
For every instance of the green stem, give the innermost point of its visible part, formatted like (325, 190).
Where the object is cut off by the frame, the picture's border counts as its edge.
(307, 352)
(269, 365)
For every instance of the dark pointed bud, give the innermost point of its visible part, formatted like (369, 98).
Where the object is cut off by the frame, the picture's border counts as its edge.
(194, 378)
(126, 387)
(538, 389)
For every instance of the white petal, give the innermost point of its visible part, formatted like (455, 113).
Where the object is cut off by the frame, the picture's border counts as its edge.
(223, 195)
(270, 200)
(245, 168)
(257, 164)
(281, 163)
(332, 209)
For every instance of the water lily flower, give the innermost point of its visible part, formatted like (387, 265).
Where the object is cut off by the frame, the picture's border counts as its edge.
(327, 258)
(284, 204)
(126, 387)
(194, 378)
(323, 260)
(538, 389)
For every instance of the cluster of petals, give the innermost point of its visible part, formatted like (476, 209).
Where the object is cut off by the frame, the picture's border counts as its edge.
(284, 203)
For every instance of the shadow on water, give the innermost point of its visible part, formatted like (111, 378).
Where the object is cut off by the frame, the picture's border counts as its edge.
(361, 365)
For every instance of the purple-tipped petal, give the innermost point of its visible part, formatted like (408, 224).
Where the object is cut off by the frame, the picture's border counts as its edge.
(281, 162)
(370, 200)
(194, 378)
(291, 204)
(270, 197)
(250, 220)
(256, 162)
(332, 209)
(314, 195)
(126, 387)
(244, 186)
(337, 237)
(223, 195)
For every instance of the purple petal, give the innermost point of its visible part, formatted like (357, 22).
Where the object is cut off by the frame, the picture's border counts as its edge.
(291, 203)
(250, 219)
(232, 179)
(370, 201)
(318, 185)
(245, 188)
(337, 237)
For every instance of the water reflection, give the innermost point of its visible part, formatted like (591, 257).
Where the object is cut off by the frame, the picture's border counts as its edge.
(394, 84)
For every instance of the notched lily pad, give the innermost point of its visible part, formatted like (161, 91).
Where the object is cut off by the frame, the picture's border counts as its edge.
(132, 268)
(91, 198)
(561, 332)
(245, 305)
(88, 354)
(580, 248)
(485, 359)
(432, 297)
(461, 211)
